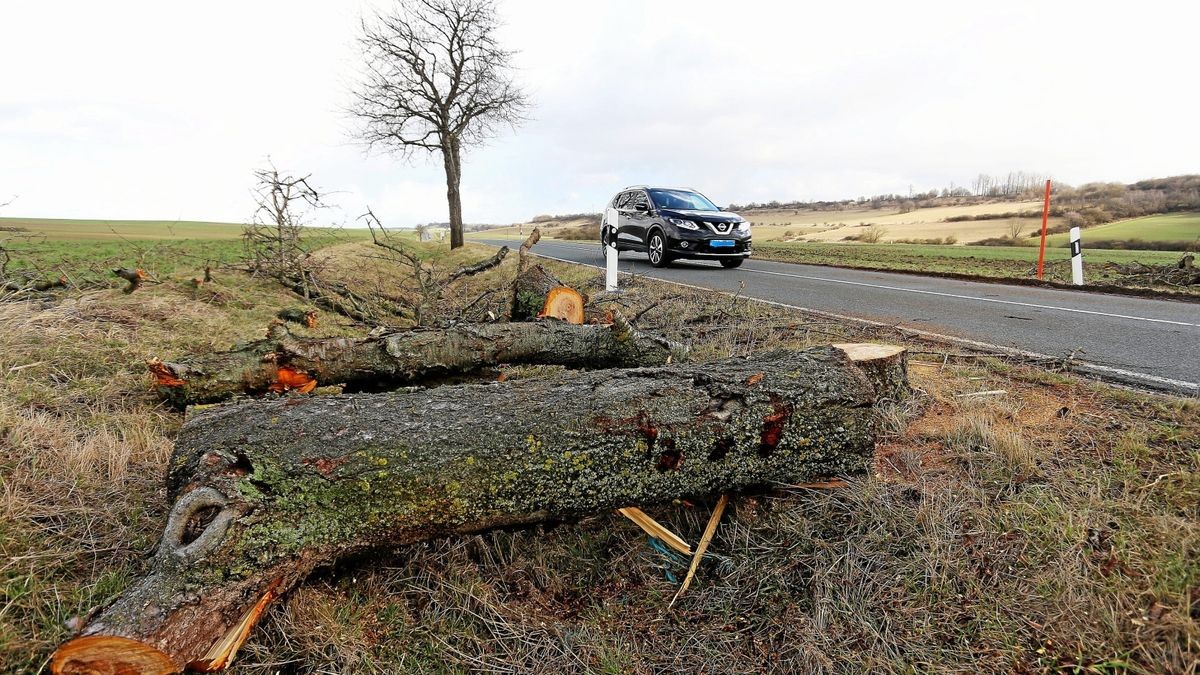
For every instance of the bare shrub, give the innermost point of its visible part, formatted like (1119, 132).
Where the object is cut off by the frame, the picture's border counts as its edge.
(872, 235)
(274, 239)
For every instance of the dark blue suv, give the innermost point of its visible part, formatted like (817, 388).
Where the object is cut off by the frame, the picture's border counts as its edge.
(673, 223)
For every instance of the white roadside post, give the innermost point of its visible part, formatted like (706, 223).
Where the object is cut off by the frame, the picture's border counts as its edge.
(1076, 258)
(610, 251)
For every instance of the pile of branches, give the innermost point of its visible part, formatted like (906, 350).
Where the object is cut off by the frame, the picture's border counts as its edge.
(1180, 274)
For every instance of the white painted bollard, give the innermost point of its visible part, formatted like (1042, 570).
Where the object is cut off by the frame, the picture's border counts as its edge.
(610, 251)
(1076, 258)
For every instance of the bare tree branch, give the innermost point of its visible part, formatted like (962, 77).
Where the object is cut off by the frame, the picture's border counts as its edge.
(435, 79)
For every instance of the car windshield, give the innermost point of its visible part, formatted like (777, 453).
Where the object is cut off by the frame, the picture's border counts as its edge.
(681, 199)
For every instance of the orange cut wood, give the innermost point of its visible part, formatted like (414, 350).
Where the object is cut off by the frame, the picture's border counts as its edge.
(563, 303)
(290, 379)
(110, 655)
(162, 374)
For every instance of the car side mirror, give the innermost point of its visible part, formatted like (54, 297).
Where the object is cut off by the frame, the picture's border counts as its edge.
(644, 208)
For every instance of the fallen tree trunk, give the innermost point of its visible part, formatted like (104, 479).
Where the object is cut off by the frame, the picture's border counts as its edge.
(283, 361)
(265, 491)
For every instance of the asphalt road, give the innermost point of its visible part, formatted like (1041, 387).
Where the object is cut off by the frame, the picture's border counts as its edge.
(1154, 343)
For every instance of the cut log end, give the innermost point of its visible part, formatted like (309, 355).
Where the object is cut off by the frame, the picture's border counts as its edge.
(291, 379)
(107, 654)
(164, 375)
(886, 367)
(307, 318)
(563, 303)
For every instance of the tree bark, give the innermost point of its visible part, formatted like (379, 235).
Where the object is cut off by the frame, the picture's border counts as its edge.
(284, 361)
(451, 157)
(264, 491)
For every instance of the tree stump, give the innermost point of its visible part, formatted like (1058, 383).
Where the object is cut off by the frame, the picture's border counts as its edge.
(886, 367)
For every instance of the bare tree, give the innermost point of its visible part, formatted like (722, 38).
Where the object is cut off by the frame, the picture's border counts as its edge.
(274, 240)
(435, 80)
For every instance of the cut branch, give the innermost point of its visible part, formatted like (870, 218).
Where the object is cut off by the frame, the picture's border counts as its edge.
(482, 266)
(135, 277)
(284, 362)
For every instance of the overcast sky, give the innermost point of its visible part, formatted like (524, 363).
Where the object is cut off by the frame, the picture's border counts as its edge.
(161, 110)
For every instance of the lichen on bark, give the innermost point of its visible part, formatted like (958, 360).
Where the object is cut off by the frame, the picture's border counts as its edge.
(306, 480)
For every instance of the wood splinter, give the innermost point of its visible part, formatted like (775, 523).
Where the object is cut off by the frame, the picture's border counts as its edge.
(656, 529)
(705, 540)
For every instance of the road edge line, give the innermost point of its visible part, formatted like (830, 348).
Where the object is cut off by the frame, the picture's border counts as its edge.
(1103, 373)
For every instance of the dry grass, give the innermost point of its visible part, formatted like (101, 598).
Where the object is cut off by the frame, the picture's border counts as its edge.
(83, 444)
(1054, 527)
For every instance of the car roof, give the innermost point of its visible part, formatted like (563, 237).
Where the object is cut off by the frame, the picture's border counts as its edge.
(659, 187)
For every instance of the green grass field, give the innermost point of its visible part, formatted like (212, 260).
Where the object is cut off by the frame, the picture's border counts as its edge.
(1163, 227)
(83, 250)
(60, 229)
(1000, 262)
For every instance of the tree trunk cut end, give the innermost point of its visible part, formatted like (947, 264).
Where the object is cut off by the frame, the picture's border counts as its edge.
(108, 654)
(563, 303)
(886, 367)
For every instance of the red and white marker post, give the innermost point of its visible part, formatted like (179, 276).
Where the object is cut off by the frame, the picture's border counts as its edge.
(1045, 220)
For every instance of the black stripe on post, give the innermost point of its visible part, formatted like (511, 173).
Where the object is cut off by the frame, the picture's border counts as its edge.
(1076, 248)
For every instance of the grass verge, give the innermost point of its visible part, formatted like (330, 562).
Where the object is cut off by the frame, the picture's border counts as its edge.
(1054, 526)
(989, 262)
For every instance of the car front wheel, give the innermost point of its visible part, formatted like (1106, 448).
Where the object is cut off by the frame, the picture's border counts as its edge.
(730, 263)
(657, 249)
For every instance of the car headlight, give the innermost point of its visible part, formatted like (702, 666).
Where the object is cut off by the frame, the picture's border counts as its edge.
(685, 224)
(743, 227)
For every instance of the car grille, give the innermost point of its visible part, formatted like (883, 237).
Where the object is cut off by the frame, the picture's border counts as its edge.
(720, 228)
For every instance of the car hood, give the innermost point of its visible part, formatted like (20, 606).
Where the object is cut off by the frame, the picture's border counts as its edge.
(709, 216)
